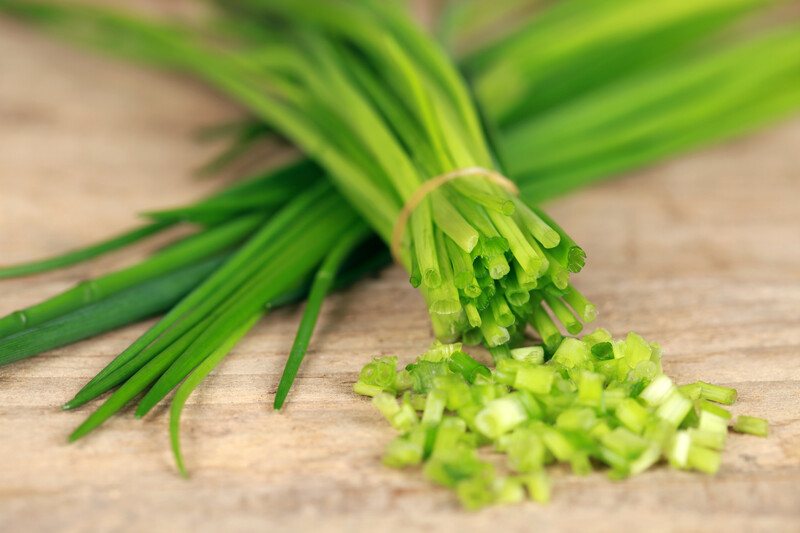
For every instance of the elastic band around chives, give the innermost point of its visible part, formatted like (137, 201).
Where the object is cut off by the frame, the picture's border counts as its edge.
(431, 185)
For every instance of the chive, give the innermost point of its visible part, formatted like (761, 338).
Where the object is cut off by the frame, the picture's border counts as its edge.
(546, 328)
(171, 365)
(136, 303)
(191, 249)
(583, 307)
(422, 231)
(191, 383)
(84, 254)
(563, 314)
(502, 312)
(463, 270)
(751, 425)
(453, 224)
(494, 334)
(603, 351)
(315, 89)
(243, 140)
(538, 228)
(415, 277)
(567, 252)
(323, 281)
(468, 367)
(717, 393)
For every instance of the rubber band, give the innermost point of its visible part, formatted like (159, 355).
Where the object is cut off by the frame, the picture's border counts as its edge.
(431, 185)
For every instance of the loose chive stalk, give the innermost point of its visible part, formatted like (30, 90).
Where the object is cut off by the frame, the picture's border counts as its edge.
(192, 381)
(184, 253)
(84, 254)
(323, 281)
(136, 303)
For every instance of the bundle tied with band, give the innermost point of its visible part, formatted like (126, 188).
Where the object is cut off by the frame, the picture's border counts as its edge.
(498, 265)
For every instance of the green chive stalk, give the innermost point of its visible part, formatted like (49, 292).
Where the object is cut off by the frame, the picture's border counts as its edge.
(135, 303)
(574, 42)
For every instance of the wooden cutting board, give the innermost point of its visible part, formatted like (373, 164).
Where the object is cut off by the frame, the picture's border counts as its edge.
(701, 254)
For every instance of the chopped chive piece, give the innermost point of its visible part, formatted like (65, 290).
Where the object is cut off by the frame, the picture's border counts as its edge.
(537, 379)
(539, 486)
(632, 415)
(572, 353)
(703, 459)
(576, 419)
(599, 335)
(529, 354)
(678, 453)
(434, 407)
(590, 388)
(675, 408)
(751, 425)
(365, 389)
(603, 351)
(690, 390)
(709, 439)
(468, 367)
(500, 416)
(657, 392)
(709, 421)
(717, 393)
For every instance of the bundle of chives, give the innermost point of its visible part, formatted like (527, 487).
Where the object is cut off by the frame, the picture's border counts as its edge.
(383, 119)
(377, 104)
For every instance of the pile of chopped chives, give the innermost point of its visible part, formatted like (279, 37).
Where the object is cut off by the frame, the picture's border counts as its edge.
(595, 403)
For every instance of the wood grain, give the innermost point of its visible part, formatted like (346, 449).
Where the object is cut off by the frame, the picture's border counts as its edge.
(701, 254)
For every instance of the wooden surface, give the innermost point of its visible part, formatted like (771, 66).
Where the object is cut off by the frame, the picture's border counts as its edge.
(701, 254)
